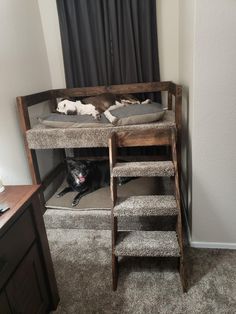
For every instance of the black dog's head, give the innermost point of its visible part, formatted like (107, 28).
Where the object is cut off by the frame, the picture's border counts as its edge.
(78, 172)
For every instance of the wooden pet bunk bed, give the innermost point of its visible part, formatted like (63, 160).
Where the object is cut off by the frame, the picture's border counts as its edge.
(164, 132)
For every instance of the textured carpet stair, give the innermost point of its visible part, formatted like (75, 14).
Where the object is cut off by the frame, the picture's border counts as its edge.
(146, 205)
(147, 243)
(101, 220)
(144, 169)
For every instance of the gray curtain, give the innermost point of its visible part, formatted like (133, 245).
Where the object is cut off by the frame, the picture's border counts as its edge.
(109, 42)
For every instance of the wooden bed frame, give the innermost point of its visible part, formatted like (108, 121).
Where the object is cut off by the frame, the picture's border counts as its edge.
(174, 101)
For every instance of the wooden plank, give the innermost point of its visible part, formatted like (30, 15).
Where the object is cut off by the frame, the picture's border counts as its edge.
(122, 157)
(33, 99)
(178, 120)
(16, 197)
(116, 89)
(169, 101)
(53, 102)
(45, 251)
(179, 225)
(151, 137)
(112, 150)
(31, 155)
(172, 88)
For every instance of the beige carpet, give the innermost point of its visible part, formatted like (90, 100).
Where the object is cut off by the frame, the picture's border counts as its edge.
(82, 262)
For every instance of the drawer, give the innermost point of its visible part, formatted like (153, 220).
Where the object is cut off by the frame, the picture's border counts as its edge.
(14, 244)
(4, 306)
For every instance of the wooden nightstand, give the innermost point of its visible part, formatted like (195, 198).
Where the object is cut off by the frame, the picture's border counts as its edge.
(27, 279)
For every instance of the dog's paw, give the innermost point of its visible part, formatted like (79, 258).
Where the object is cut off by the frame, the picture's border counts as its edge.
(75, 203)
(97, 116)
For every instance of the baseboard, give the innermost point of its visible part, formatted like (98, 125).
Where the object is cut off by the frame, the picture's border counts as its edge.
(213, 245)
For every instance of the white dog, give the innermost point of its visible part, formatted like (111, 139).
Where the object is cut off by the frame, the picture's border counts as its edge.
(76, 107)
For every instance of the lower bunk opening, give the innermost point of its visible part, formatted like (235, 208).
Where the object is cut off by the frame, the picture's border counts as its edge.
(94, 209)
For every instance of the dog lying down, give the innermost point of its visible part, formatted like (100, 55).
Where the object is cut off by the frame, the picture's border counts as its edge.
(77, 108)
(85, 177)
(99, 104)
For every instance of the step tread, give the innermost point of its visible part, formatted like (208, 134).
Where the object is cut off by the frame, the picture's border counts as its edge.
(143, 169)
(147, 243)
(146, 205)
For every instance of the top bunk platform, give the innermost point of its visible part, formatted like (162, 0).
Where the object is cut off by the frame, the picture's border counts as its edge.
(43, 137)
(40, 136)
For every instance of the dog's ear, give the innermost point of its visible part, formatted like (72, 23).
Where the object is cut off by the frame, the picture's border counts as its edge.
(70, 162)
(88, 162)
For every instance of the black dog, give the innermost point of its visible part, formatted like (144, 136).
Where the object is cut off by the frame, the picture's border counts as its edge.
(85, 177)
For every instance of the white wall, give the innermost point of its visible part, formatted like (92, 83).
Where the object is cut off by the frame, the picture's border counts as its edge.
(24, 69)
(210, 75)
(50, 22)
(168, 39)
(214, 151)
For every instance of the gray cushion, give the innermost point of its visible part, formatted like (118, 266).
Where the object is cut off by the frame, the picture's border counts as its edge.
(57, 120)
(137, 114)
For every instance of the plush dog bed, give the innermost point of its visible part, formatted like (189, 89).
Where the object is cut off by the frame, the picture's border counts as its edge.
(57, 120)
(125, 115)
(136, 113)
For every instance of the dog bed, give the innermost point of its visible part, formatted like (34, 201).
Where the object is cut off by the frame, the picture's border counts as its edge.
(100, 199)
(124, 115)
(57, 120)
(135, 113)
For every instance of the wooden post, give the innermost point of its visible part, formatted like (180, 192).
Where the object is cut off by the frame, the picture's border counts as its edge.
(31, 154)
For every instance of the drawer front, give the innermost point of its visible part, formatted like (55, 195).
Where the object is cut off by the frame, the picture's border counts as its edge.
(4, 306)
(14, 244)
(27, 290)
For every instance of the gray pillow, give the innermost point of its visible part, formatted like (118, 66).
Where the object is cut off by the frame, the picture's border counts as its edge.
(136, 114)
(57, 120)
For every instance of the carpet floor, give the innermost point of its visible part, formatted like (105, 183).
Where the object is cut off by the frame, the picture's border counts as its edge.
(82, 262)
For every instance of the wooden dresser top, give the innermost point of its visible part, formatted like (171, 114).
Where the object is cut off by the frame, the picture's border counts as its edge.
(15, 196)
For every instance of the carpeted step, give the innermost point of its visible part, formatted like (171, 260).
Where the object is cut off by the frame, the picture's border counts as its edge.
(101, 220)
(144, 169)
(147, 243)
(146, 205)
(80, 219)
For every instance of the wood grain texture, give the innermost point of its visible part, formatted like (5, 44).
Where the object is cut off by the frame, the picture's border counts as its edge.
(151, 137)
(179, 225)
(25, 125)
(115, 89)
(178, 120)
(45, 250)
(33, 99)
(21, 228)
(169, 101)
(4, 305)
(15, 196)
(27, 290)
